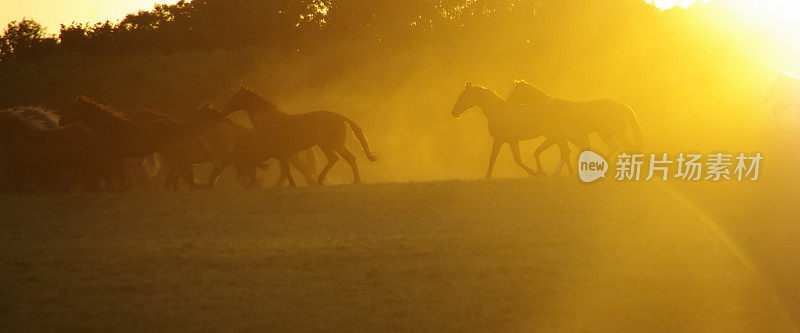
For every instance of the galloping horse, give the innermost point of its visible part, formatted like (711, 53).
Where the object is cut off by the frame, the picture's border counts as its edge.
(282, 135)
(511, 123)
(508, 122)
(228, 139)
(120, 138)
(609, 120)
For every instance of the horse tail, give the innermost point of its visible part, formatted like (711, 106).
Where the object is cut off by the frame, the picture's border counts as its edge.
(633, 122)
(359, 133)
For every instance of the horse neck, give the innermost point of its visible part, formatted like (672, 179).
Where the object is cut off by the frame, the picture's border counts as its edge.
(262, 112)
(491, 105)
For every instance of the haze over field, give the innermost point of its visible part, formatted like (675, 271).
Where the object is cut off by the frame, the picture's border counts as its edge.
(694, 76)
(424, 244)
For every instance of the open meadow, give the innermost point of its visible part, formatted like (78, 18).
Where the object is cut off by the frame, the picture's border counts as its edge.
(506, 255)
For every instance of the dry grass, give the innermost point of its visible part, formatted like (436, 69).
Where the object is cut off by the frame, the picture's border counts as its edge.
(456, 256)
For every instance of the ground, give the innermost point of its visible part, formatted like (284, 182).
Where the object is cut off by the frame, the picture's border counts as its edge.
(505, 255)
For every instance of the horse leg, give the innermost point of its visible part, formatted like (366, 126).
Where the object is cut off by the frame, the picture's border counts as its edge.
(304, 168)
(537, 154)
(515, 150)
(563, 146)
(286, 173)
(350, 159)
(186, 171)
(212, 177)
(289, 173)
(332, 158)
(496, 145)
(311, 162)
(613, 147)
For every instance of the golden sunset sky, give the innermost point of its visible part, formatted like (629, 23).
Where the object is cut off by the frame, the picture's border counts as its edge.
(53, 13)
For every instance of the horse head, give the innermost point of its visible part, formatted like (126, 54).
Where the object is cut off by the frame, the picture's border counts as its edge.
(241, 100)
(466, 100)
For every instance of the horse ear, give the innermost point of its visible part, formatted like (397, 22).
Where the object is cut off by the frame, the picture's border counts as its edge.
(468, 84)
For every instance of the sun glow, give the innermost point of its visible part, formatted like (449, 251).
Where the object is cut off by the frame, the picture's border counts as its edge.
(778, 22)
(668, 4)
(772, 24)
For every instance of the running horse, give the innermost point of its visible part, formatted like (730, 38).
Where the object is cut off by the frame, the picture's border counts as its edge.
(512, 122)
(610, 120)
(283, 135)
(119, 138)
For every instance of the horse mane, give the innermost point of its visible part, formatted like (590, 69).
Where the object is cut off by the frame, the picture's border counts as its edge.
(145, 114)
(269, 105)
(218, 116)
(100, 108)
(531, 87)
(27, 123)
(48, 118)
(484, 90)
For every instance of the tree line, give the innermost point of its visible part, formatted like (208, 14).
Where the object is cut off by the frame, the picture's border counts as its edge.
(235, 24)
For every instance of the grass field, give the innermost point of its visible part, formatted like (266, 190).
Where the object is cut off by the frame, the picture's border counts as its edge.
(506, 255)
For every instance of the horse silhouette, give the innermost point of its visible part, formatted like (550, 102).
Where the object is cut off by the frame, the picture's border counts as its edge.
(120, 138)
(230, 141)
(609, 118)
(282, 135)
(38, 154)
(554, 118)
(42, 118)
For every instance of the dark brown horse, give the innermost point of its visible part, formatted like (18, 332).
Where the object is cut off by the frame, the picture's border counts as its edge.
(282, 135)
(225, 139)
(49, 157)
(41, 117)
(120, 138)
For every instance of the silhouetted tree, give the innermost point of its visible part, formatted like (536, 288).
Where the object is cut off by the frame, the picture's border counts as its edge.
(25, 39)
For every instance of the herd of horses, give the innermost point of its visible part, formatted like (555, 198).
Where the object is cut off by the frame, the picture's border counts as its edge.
(92, 144)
